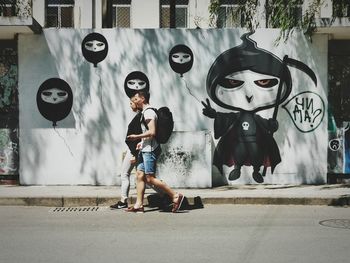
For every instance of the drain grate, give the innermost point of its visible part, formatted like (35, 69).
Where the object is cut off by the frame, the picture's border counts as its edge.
(76, 209)
(336, 223)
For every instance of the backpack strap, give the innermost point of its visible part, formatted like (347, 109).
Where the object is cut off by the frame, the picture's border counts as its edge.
(143, 121)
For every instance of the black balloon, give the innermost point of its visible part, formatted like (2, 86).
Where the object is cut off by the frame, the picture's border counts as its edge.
(94, 48)
(54, 99)
(134, 82)
(181, 59)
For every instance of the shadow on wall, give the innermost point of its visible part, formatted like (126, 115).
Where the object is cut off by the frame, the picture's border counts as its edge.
(95, 97)
(182, 94)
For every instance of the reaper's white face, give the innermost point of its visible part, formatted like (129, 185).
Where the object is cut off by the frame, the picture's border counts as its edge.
(54, 96)
(248, 90)
(181, 58)
(95, 46)
(136, 84)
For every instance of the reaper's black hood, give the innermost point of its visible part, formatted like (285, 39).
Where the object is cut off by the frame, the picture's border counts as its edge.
(247, 56)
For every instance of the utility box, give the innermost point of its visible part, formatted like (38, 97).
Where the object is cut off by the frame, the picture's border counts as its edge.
(186, 160)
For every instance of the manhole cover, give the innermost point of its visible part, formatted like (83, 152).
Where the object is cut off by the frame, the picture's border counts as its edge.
(76, 209)
(336, 223)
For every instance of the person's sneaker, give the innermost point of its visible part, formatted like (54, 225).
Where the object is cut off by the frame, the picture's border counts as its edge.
(119, 205)
(177, 204)
(135, 210)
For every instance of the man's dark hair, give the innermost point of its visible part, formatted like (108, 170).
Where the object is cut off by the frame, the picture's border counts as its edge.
(145, 95)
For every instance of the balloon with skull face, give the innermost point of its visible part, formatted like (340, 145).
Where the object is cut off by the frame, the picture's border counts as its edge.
(134, 82)
(54, 99)
(94, 48)
(181, 59)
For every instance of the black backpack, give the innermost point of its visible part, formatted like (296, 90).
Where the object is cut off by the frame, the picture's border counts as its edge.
(165, 124)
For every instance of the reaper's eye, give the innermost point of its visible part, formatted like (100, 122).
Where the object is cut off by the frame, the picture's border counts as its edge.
(176, 56)
(231, 83)
(141, 83)
(62, 94)
(100, 44)
(266, 83)
(89, 44)
(131, 82)
(187, 56)
(47, 93)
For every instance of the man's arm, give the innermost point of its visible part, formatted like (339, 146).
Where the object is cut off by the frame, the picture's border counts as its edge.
(150, 133)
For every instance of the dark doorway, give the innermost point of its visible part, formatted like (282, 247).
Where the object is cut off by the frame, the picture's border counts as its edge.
(339, 109)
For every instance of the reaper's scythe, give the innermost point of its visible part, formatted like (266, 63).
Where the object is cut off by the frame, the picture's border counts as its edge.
(293, 63)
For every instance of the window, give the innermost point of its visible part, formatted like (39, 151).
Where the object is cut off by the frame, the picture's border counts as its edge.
(341, 8)
(121, 13)
(294, 7)
(181, 13)
(59, 13)
(228, 16)
(8, 8)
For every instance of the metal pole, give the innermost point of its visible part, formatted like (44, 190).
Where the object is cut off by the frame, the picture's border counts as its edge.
(172, 13)
(278, 97)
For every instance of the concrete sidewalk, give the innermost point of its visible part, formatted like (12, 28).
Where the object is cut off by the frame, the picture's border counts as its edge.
(69, 196)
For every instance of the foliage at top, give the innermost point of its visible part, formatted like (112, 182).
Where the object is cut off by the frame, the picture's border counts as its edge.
(20, 8)
(287, 15)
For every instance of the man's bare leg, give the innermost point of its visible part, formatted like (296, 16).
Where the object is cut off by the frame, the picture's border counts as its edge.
(150, 179)
(140, 188)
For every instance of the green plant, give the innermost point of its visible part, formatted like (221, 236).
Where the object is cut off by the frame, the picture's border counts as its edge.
(23, 8)
(20, 8)
(282, 14)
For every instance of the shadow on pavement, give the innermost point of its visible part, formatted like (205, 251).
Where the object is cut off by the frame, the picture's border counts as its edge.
(163, 203)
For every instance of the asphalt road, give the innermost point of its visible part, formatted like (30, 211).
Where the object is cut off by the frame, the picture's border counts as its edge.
(217, 233)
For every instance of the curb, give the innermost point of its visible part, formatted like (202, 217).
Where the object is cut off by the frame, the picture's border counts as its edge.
(106, 201)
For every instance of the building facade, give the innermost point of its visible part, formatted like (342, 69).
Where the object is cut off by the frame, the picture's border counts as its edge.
(42, 39)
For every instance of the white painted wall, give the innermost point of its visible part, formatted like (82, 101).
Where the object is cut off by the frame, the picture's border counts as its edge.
(198, 12)
(87, 145)
(39, 11)
(145, 14)
(83, 14)
(326, 9)
(98, 14)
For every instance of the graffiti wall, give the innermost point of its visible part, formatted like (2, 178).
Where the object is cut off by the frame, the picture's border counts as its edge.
(338, 146)
(264, 104)
(9, 161)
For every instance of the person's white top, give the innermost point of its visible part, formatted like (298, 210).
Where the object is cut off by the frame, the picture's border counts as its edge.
(148, 144)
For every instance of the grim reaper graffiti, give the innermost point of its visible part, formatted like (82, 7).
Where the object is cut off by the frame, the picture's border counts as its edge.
(247, 80)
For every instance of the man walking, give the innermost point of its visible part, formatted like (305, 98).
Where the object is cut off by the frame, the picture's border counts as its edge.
(148, 155)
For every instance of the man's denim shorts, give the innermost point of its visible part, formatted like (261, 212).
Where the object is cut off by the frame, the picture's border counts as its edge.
(147, 161)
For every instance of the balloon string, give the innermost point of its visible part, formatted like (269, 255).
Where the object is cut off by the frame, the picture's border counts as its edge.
(100, 87)
(190, 91)
(63, 140)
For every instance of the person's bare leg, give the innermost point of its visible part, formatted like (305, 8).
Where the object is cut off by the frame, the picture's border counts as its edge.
(150, 179)
(176, 197)
(140, 188)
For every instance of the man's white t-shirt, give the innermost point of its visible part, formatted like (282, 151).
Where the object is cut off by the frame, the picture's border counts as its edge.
(148, 144)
